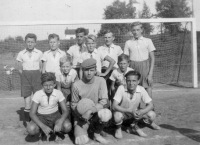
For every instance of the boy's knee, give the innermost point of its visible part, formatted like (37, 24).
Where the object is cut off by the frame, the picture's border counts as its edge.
(32, 129)
(67, 126)
(151, 115)
(118, 117)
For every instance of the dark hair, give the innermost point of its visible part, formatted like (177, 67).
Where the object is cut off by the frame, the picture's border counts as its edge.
(31, 35)
(81, 30)
(48, 76)
(66, 58)
(106, 31)
(133, 73)
(53, 36)
(123, 57)
(136, 24)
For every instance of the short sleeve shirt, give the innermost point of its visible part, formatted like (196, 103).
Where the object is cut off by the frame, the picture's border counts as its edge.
(118, 77)
(45, 106)
(125, 99)
(66, 81)
(139, 50)
(75, 51)
(113, 51)
(30, 61)
(99, 57)
(53, 62)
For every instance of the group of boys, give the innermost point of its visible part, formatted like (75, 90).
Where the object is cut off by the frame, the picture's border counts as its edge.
(88, 89)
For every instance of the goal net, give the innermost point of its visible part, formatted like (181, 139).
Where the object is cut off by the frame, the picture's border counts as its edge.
(175, 55)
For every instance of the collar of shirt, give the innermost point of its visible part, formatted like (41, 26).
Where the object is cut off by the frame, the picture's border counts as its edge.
(58, 50)
(122, 72)
(95, 51)
(82, 48)
(136, 91)
(111, 46)
(52, 94)
(69, 74)
(34, 50)
(140, 38)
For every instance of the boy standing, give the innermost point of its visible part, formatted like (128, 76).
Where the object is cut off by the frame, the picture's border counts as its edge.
(51, 58)
(118, 75)
(126, 103)
(44, 110)
(92, 52)
(30, 71)
(139, 50)
(76, 50)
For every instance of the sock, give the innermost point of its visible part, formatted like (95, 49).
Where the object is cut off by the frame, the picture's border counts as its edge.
(26, 115)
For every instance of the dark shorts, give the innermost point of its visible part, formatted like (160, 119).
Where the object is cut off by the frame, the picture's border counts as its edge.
(49, 119)
(30, 82)
(143, 68)
(67, 94)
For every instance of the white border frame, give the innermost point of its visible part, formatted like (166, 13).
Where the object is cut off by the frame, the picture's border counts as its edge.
(159, 20)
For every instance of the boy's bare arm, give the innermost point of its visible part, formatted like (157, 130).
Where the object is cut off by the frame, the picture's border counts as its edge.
(118, 108)
(65, 111)
(20, 68)
(80, 73)
(148, 108)
(44, 66)
(112, 88)
(111, 64)
(152, 63)
(58, 85)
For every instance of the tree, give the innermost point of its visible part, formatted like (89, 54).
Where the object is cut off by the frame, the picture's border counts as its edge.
(118, 10)
(19, 39)
(146, 14)
(173, 9)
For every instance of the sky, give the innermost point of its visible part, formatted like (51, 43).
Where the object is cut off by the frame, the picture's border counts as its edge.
(52, 11)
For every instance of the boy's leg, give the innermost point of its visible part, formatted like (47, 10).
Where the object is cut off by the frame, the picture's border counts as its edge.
(149, 91)
(66, 126)
(118, 120)
(27, 102)
(32, 128)
(149, 119)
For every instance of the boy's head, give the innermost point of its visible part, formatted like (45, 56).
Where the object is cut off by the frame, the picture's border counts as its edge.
(48, 80)
(66, 64)
(132, 80)
(54, 41)
(137, 29)
(91, 42)
(108, 37)
(80, 35)
(30, 40)
(123, 62)
(89, 68)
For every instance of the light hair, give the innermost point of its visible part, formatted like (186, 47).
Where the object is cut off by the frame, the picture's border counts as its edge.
(92, 37)
(65, 59)
(136, 24)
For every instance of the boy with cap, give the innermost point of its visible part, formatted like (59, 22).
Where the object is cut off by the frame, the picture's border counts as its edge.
(44, 113)
(93, 88)
(92, 52)
(30, 71)
(126, 106)
(51, 58)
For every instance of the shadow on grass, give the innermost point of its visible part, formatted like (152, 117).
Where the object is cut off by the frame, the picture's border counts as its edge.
(190, 133)
(20, 112)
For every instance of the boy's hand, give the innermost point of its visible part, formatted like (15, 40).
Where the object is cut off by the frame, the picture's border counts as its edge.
(87, 115)
(46, 129)
(58, 126)
(100, 74)
(137, 114)
(149, 80)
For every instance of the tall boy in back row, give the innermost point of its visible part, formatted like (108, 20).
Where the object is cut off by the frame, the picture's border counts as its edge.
(141, 53)
(30, 71)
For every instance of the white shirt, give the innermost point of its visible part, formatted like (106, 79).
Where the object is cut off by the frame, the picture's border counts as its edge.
(139, 50)
(113, 51)
(75, 51)
(45, 107)
(125, 99)
(118, 77)
(99, 57)
(66, 81)
(30, 61)
(53, 62)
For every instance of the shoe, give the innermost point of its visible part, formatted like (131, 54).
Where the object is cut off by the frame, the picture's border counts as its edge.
(154, 126)
(139, 131)
(100, 139)
(118, 133)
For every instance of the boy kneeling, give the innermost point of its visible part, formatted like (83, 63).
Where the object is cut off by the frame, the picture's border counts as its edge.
(44, 110)
(126, 103)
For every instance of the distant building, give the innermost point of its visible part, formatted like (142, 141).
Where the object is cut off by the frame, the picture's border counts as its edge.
(70, 33)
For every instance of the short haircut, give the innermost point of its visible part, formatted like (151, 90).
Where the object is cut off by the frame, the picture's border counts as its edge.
(31, 35)
(64, 59)
(48, 76)
(52, 36)
(136, 24)
(106, 31)
(81, 30)
(133, 73)
(123, 57)
(92, 37)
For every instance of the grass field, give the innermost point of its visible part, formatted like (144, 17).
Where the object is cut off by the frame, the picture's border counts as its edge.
(177, 113)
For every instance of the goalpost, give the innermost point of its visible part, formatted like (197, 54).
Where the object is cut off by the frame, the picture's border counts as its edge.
(45, 28)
